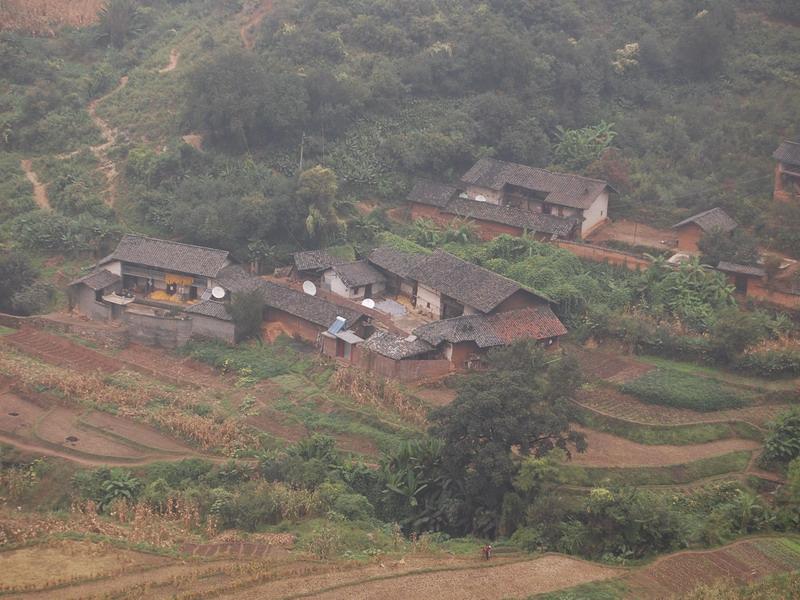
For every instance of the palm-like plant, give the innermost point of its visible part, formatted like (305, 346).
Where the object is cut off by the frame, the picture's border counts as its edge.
(119, 19)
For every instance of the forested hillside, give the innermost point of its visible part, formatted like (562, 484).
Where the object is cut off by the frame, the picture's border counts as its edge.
(679, 104)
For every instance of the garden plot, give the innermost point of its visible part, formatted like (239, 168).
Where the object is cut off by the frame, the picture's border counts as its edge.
(17, 415)
(139, 434)
(742, 562)
(611, 451)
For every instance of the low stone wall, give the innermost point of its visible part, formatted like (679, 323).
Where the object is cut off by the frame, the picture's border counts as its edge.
(600, 254)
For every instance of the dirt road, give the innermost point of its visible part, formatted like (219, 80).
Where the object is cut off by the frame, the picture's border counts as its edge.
(247, 31)
(39, 188)
(174, 56)
(110, 136)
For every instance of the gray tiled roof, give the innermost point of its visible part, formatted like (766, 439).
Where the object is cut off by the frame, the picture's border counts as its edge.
(170, 256)
(709, 220)
(465, 282)
(358, 273)
(729, 267)
(211, 308)
(433, 194)
(310, 308)
(236, 280)
(559, 188)
(395, 347)
(315, 260)
(788, 153)
(514, 217)
(98, 280)
(395, 261)
(494, 330)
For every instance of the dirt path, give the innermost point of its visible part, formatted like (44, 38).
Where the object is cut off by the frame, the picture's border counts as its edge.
(39, 188)
(247, 31)
(110, 135)
(635, 234)
(607, 450)
(174, 56)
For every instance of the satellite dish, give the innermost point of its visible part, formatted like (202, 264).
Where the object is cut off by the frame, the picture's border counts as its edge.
(309, 288)
(480, 198)
(218, 292)
(368, 303)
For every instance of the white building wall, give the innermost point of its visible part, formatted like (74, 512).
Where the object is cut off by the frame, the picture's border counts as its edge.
(492, 196)
(429, 301)
(337, 286)
(115, 267)
(595, 214)
(469, 310)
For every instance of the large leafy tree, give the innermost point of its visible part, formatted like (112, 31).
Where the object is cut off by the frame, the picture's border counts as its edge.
(16, 274)
(516, 409)
(246, 309)
(118, 20)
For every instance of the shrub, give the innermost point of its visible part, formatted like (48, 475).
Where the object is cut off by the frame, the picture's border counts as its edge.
(683, 391)
(782, 443)
(354, 507)
(770, 363)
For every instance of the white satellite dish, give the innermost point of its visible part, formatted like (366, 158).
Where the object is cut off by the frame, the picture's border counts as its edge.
(368, 303)
(309, 288)
(218, 292)
(481, 198)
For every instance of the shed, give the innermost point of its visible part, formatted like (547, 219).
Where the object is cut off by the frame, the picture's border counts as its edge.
(690, 230)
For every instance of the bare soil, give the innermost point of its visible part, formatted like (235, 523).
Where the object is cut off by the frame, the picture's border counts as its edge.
(110, 136)
(60, 427)
(39, 188)
(635, 234)
(607, 450)
(174, 56)
(612, 366)
(17, 415)
(247, 31)
(195, 140)
(60, 351)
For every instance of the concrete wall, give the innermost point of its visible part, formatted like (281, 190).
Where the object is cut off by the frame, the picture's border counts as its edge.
(208, 327)
(338, 287)
(165, 332)
(605, 255)
(596, 214)
(429, 301)
(83, 300)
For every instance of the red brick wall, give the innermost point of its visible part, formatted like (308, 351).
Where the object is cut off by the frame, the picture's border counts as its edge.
(688, 237)
(404, 370)
(604, 255)
(294, 326)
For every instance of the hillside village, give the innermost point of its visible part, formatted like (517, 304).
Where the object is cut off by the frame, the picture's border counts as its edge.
(464, 298)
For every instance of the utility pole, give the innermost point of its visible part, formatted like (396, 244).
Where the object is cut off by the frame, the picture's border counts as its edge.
(302, 143)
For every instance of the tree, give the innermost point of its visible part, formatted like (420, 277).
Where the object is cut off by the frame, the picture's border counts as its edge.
(247, 310)
(700, 49)
(734, 331)
(16, 274)
(119, 19)
(516, 409)
(737, 247)
(317, 187)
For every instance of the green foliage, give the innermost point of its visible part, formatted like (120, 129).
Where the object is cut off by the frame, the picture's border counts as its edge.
(579, 147)
(117, 20)
(247, 310)
(33, 299)
(738, 247)
(16, 274)
(782, 441)
(253, 360)
(770, 363)
(683, 391)
(518, 403)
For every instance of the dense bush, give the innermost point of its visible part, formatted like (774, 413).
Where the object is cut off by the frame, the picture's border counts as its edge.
(782, 442)
(683, 391)
(770, 363)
